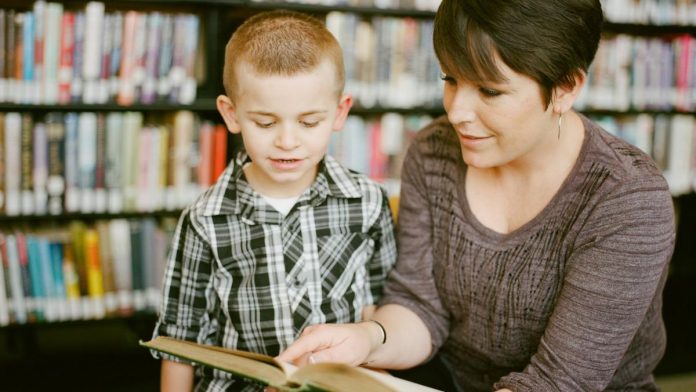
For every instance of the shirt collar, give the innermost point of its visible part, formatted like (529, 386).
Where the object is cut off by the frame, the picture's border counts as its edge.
(232, 194)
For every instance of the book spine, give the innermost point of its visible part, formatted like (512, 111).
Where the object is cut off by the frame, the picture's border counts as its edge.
(18, 96)
(39, 26)
(40, 168)
(48, 279)
(55, 184)
(107, 267)
(72, 174)
(94, 29)
(17, 282)
(219, 151)
(5, 294)
(28, 58)
(10, 56)
(206, 135)
(77, 81)
(59, 295)
(87, 159)
(116, 51)
(105, 52)
(126, 91)
(154, 31)
(95, 280)
(165, 57)
(52, 48)
(36, 278)
(100, 164)
(187, 91)
(2, 162)
(27, 186)
(113, 178)
(13, 163)
(71, 278)
(120, 241)
(3, 56)
(65, 69)
(137, 266)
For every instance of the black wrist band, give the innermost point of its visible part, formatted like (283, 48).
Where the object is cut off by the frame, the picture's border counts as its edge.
(381, 327)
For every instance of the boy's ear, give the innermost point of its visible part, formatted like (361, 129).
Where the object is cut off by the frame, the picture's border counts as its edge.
(344, 105)
(228, 113)
(564, 96)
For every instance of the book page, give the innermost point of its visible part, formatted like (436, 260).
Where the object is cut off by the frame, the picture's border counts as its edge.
(251, 365)
(337, 377)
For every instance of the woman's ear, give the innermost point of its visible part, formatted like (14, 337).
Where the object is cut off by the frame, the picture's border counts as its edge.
(228, 112)
(564, 96)
(344, 105)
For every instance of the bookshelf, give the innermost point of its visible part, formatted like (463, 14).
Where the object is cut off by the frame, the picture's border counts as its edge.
(376, 114)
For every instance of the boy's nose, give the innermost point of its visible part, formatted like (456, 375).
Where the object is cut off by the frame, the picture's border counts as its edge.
(286, 138)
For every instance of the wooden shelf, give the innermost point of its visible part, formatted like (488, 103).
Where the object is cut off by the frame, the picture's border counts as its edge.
(4, 219)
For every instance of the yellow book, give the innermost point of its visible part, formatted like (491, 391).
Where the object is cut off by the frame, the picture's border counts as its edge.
(95, 281)
(330, 377)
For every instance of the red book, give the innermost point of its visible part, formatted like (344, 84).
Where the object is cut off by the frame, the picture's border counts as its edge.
(67, 41)
(219, 151)
(206, 135)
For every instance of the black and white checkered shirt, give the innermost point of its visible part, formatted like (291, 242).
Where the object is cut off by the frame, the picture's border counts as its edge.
(241, 275)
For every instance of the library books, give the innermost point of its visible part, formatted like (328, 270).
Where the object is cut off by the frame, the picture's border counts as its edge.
(678, 12)
(54, 55)
(82, 271)
(642, 73)
(389, 61)
(284, 376)
(93, 162)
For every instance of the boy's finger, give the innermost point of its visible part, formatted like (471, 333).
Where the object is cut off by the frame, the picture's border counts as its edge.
(304, 345)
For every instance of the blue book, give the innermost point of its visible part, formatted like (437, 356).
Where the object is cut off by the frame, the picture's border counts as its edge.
(28, 56)
(38, 293)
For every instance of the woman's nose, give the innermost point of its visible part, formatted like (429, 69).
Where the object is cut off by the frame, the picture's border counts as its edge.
(460, 105)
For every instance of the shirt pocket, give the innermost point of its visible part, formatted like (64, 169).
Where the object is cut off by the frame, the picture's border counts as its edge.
(343, 262)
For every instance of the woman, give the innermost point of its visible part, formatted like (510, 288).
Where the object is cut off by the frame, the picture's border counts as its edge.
(533, 245)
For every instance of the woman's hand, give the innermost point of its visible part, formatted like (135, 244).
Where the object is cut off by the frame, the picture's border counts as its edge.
(345, 343)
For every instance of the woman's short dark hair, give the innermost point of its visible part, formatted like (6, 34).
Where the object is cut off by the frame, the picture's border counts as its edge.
(551, 41)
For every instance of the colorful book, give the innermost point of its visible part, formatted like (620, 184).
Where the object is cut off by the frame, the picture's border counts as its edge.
(95, 279)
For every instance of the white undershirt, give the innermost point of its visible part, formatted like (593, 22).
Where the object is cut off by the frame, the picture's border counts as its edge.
(282, 205)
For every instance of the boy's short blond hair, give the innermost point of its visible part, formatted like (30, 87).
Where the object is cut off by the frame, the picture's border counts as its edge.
(281, 43)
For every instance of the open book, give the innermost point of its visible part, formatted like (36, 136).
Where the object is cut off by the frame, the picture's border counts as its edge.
(332, 377)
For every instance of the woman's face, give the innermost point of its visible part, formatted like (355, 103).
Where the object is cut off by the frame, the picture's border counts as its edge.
(499, 124)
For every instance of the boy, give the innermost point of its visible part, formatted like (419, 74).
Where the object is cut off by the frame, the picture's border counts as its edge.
(287, 237)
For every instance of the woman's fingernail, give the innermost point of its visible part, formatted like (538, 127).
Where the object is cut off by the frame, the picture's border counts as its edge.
(311, 359)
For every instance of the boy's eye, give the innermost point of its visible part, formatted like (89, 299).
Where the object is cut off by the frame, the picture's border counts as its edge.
(489, 92)
(309, 124)
(264, 124)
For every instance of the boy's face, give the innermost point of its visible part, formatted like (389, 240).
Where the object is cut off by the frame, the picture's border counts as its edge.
(286, 124)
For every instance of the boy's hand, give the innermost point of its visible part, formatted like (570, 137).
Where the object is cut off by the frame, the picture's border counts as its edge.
(344, 343)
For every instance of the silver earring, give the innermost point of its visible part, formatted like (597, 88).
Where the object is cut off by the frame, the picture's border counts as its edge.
(560, 122)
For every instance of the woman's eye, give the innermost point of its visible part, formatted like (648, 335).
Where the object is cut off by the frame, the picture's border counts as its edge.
(447, 79)
(489, 92)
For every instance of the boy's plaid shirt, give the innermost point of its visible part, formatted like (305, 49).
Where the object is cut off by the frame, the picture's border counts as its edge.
(241, 275)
